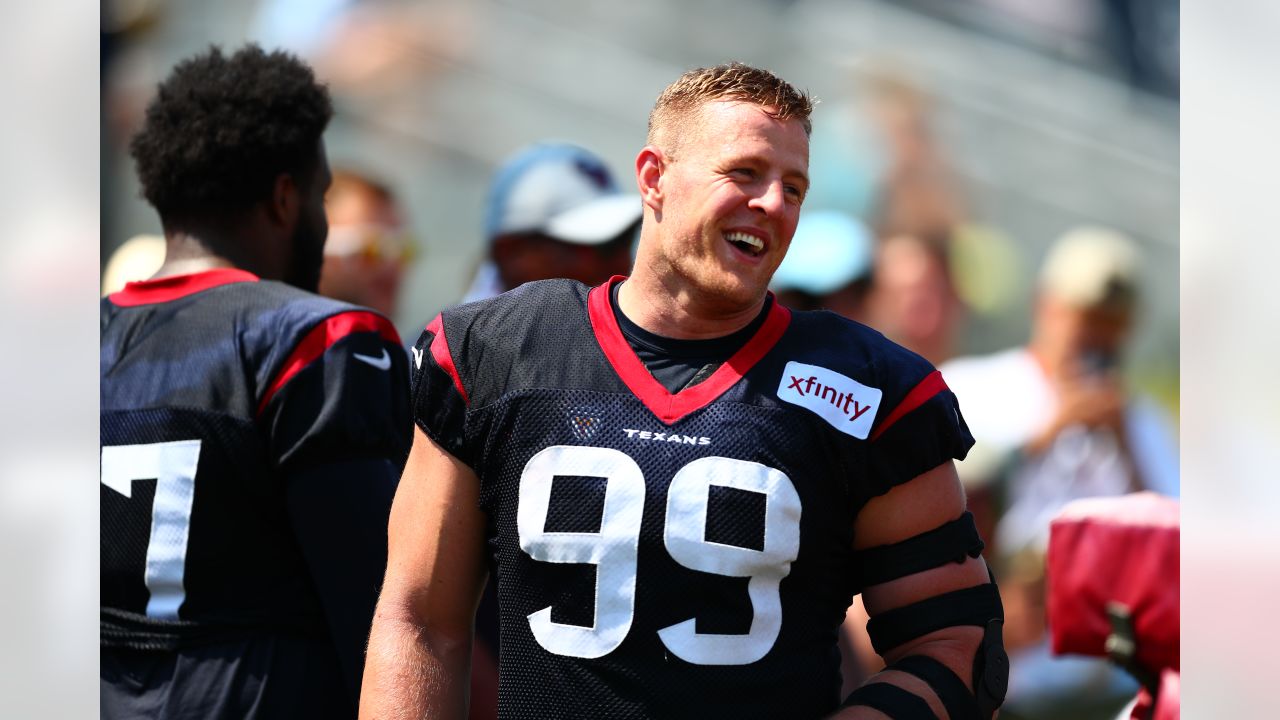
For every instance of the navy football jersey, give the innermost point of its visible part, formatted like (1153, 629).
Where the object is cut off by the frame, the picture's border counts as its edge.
(216, 389)
(673, 555)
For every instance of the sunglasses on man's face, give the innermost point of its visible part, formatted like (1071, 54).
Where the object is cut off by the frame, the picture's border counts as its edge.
(372, 243)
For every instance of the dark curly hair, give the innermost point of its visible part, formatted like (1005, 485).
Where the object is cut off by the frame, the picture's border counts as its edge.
(221, 129)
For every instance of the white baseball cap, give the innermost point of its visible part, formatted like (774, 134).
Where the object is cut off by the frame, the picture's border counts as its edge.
(1092, 266)
(562, 191)
(829, 250)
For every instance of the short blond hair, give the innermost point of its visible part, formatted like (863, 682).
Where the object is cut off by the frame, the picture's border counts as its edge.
(731, 81)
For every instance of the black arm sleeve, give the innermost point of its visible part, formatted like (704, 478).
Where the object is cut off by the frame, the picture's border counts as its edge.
(339, 514)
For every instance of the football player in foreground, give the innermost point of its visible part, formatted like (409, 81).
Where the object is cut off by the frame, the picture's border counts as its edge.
(679, 484)
(252, 432)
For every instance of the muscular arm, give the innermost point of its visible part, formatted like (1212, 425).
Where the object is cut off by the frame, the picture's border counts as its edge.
(915, 507)
(420, 645)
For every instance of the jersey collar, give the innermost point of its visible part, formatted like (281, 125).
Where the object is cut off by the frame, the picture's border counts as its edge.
(669, 407)
(147, 292)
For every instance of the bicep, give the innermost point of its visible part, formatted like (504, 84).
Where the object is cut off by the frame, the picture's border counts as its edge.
(921, 506)
(436, 538)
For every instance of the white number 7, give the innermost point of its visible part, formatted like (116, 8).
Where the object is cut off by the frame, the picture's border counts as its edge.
(173, 465)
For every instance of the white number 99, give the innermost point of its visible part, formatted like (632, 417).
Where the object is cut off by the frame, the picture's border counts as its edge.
(613, 549)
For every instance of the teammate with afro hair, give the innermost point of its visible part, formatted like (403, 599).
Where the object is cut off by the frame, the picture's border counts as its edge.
(231, 154)
(252, 431)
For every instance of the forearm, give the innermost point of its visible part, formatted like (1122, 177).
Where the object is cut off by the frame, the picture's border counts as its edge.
(414, 673)
(1124, 445)
(890, 677)
(935, 614)
(419, 658)
(955, 649)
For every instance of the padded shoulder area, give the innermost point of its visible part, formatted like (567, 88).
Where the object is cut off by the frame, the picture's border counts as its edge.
(537, 335)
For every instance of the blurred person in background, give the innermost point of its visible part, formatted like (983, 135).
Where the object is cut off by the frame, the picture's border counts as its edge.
(137, 258)
(828, 265)
(252, 431)
(1053, 422)
(554, 211)
(368, 248)
(913, 298)
(919, 194)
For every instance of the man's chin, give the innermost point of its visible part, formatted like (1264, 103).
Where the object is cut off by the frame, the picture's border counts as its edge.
(752, 282)
(734, 290)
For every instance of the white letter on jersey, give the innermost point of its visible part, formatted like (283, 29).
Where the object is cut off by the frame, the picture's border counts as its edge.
(685, 539)
(173, 465)
(612, 550)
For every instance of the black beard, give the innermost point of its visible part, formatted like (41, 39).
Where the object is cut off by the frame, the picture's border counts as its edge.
(308, 255)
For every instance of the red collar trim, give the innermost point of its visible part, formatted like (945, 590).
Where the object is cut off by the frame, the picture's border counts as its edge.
(667, 407)
(147, 292)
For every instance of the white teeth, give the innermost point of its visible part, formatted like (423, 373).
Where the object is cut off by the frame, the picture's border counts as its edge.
(746, 239)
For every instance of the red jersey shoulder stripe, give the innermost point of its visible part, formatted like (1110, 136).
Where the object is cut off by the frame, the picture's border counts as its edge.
(931, 385)
(148, 292)
(322, 337)
(440, 351)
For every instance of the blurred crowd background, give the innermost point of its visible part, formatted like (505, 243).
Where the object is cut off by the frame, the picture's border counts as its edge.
(992, 126)
(956, 146)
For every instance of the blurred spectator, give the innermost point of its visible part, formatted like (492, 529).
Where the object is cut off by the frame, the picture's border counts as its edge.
(913, 298)
(368, 248)
(919, 194)
(1053, 423)
(827, 266)
(382, 52)
(554, 211)
(138, 258)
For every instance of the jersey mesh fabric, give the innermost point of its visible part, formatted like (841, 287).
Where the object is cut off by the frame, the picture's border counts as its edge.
(197, 368)
(238, 576)
(535, 377)
(641, 678)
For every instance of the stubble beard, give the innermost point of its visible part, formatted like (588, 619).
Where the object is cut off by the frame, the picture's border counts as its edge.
(719, 289)
(308, 256)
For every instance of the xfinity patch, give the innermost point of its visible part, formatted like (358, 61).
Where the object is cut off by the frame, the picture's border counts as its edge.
(847, 404)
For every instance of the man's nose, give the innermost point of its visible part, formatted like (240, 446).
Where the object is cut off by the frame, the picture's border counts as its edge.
(771, 198)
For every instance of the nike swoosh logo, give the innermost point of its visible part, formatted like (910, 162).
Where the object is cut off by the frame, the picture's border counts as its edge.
(417, 357)
(382, 363)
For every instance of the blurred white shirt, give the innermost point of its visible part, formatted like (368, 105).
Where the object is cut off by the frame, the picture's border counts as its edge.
(1006, 400)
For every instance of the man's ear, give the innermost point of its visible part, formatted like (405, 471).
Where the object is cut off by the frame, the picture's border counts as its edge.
(285, 200)
(650, 164)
